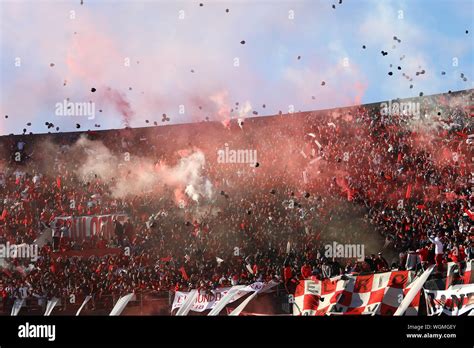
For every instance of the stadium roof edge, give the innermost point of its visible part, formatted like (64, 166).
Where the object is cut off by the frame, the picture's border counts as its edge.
(247, 118)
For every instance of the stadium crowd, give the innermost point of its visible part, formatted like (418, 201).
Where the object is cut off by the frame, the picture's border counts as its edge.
(350, 175)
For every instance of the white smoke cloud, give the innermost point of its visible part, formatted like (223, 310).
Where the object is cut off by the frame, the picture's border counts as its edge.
(188, 174)
(133, 175)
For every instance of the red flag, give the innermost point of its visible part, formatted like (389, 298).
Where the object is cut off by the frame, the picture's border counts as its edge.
(4, 214)
(58, 181)
(462, 134)
(287, 273)
(408, 193)
(469, 213)
(350, 194)
(183, 273)
(7, 272)
(342, 183)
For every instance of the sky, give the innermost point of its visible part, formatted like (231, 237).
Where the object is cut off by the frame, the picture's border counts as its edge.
(140, 60)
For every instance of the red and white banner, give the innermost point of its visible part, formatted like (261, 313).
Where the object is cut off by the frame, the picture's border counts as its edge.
(188, 303)
(87, 226)
(316, 297)
(456, 301)
(414, 291)
(379, 294)
(209, 300)
(468, 277)
(256, 288)
(202, 302)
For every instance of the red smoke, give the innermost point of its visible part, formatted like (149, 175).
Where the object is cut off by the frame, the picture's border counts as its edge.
(119, 101)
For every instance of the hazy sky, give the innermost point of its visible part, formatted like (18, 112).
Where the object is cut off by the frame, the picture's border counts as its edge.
(188, 61)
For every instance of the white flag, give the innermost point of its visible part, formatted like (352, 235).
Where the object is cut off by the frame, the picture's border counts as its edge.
(186, 307)
(50, 305)
(225, 300)
(244, 304)
(17, 306)
(83, 304)
(264, 288)
(121, 304)
(415, 288)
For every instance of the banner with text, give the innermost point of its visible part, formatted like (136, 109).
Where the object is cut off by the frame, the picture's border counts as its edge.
(87, 226)
(206, 301)
(456, 301)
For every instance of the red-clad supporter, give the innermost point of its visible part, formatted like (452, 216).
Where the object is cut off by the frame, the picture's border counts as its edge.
(306, 271)
(287, 273)
(457, 254)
